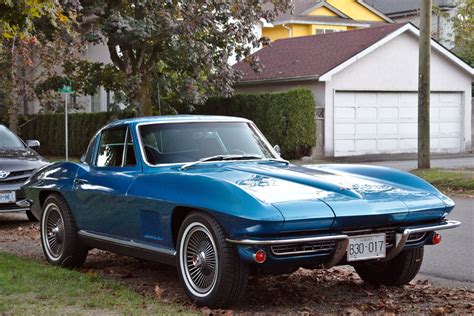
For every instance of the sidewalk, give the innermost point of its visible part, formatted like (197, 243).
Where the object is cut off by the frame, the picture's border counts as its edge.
(402, 162)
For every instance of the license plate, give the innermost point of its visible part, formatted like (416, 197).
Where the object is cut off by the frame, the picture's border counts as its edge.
(7, 197)
(366, 247)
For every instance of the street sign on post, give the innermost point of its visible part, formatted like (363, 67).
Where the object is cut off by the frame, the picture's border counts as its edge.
(66, 90)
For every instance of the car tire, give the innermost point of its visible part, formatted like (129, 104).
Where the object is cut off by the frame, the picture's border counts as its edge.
(31, 217)
(209, 268)
(397, 271)
(61, 245)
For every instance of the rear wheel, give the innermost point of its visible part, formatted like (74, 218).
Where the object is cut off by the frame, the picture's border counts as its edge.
(210, 269)
(398, 271)
(61, 245)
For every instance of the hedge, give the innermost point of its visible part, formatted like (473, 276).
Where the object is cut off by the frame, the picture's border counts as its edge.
(285, 118)
(49, 130)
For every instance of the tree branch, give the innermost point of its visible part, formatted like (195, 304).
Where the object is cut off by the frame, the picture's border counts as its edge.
(115, 57)
(152, 60)
(141, 57)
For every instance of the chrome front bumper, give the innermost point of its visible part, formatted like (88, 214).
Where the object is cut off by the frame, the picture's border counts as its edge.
(343, 240)
(21, 206)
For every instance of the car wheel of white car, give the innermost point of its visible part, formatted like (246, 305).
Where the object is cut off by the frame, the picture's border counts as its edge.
(31, 217)
(397, 271)
(61, 246)
(210, 269)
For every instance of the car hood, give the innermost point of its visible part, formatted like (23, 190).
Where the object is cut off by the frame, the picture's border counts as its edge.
(347, 200)
(20, 159)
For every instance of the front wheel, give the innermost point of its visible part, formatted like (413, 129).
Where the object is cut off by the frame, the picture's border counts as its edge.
(397, 271)
(209, 268)
(61, 245)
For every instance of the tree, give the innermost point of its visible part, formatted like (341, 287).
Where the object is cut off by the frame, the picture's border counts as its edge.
(17, 17)
(463, 26)
(20, 23)
(190, 40)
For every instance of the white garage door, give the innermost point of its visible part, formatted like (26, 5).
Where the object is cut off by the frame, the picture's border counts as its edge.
(386, 122)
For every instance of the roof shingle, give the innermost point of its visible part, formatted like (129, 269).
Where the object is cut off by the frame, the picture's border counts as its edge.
(311, 55)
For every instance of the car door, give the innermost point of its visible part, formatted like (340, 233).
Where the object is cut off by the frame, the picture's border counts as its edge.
(100, 189)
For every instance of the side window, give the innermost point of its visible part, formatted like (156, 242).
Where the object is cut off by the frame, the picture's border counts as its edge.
(116, 148)
(129, 159)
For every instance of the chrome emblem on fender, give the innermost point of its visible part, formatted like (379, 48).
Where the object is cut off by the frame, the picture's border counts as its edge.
(4, 174)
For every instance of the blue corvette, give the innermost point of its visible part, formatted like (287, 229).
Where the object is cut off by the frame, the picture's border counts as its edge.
(211, 196)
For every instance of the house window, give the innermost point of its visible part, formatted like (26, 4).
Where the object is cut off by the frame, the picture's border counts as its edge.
(324, 31)
(95, 101)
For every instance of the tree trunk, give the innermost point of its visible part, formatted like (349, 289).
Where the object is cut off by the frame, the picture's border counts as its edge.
(424, 86)
(142, 98)
(14, 97)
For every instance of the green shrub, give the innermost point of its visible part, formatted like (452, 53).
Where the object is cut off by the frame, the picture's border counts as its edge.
(285, 118)
(49, 130)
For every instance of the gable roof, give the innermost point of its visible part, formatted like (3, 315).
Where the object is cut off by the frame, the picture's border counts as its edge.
(303, 7)
(321, 56)
(375, 11)
(326, 20)
(325, 5)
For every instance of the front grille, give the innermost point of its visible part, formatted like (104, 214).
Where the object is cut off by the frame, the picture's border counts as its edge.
(321, 247)
(390, 234)
(329, 246)
(15, 180)
(20, 173)
(17, 177)
(412, 238)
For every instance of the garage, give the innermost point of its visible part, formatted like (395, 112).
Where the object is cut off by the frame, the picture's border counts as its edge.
(365, 84)
(386, 122)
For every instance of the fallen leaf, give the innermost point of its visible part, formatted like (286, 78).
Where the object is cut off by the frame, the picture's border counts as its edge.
(438, 311)
(159, 292)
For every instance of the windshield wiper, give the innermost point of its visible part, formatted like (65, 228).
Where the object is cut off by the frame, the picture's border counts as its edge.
(286, 162)
(219, 158)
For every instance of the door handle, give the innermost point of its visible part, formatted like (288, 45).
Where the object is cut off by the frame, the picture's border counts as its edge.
(80, 181)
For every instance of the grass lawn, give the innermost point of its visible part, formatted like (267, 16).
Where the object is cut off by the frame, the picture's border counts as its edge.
(449, 180)
(32, 288)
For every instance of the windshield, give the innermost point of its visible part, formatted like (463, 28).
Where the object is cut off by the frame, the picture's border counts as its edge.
(188, 142)
(8, 139)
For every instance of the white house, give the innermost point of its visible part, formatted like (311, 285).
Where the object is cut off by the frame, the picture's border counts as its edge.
(365, 86)
(87, 103)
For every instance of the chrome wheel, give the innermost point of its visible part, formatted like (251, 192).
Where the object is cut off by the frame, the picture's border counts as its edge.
(52, 231)
(198, 259)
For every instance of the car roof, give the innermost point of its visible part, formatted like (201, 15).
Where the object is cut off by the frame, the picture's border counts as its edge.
(177, 119)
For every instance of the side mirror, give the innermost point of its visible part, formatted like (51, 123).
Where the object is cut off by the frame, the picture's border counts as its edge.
(32, 143)
(277, 149)
(83, 158)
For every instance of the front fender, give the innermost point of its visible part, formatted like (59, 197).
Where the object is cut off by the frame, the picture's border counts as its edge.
(56, 177)
(391, 176)
(236, 210)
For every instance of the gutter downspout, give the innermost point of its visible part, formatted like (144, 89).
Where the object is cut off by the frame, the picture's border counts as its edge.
(290, 31)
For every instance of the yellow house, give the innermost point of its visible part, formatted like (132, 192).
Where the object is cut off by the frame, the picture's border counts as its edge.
(312, 17)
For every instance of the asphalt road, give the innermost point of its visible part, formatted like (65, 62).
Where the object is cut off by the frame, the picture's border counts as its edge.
(451, 263)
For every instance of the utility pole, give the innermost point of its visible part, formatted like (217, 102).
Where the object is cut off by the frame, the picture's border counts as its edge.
(424, 86)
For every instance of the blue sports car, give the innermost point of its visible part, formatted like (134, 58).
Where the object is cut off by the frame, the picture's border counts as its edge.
(211, 196)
